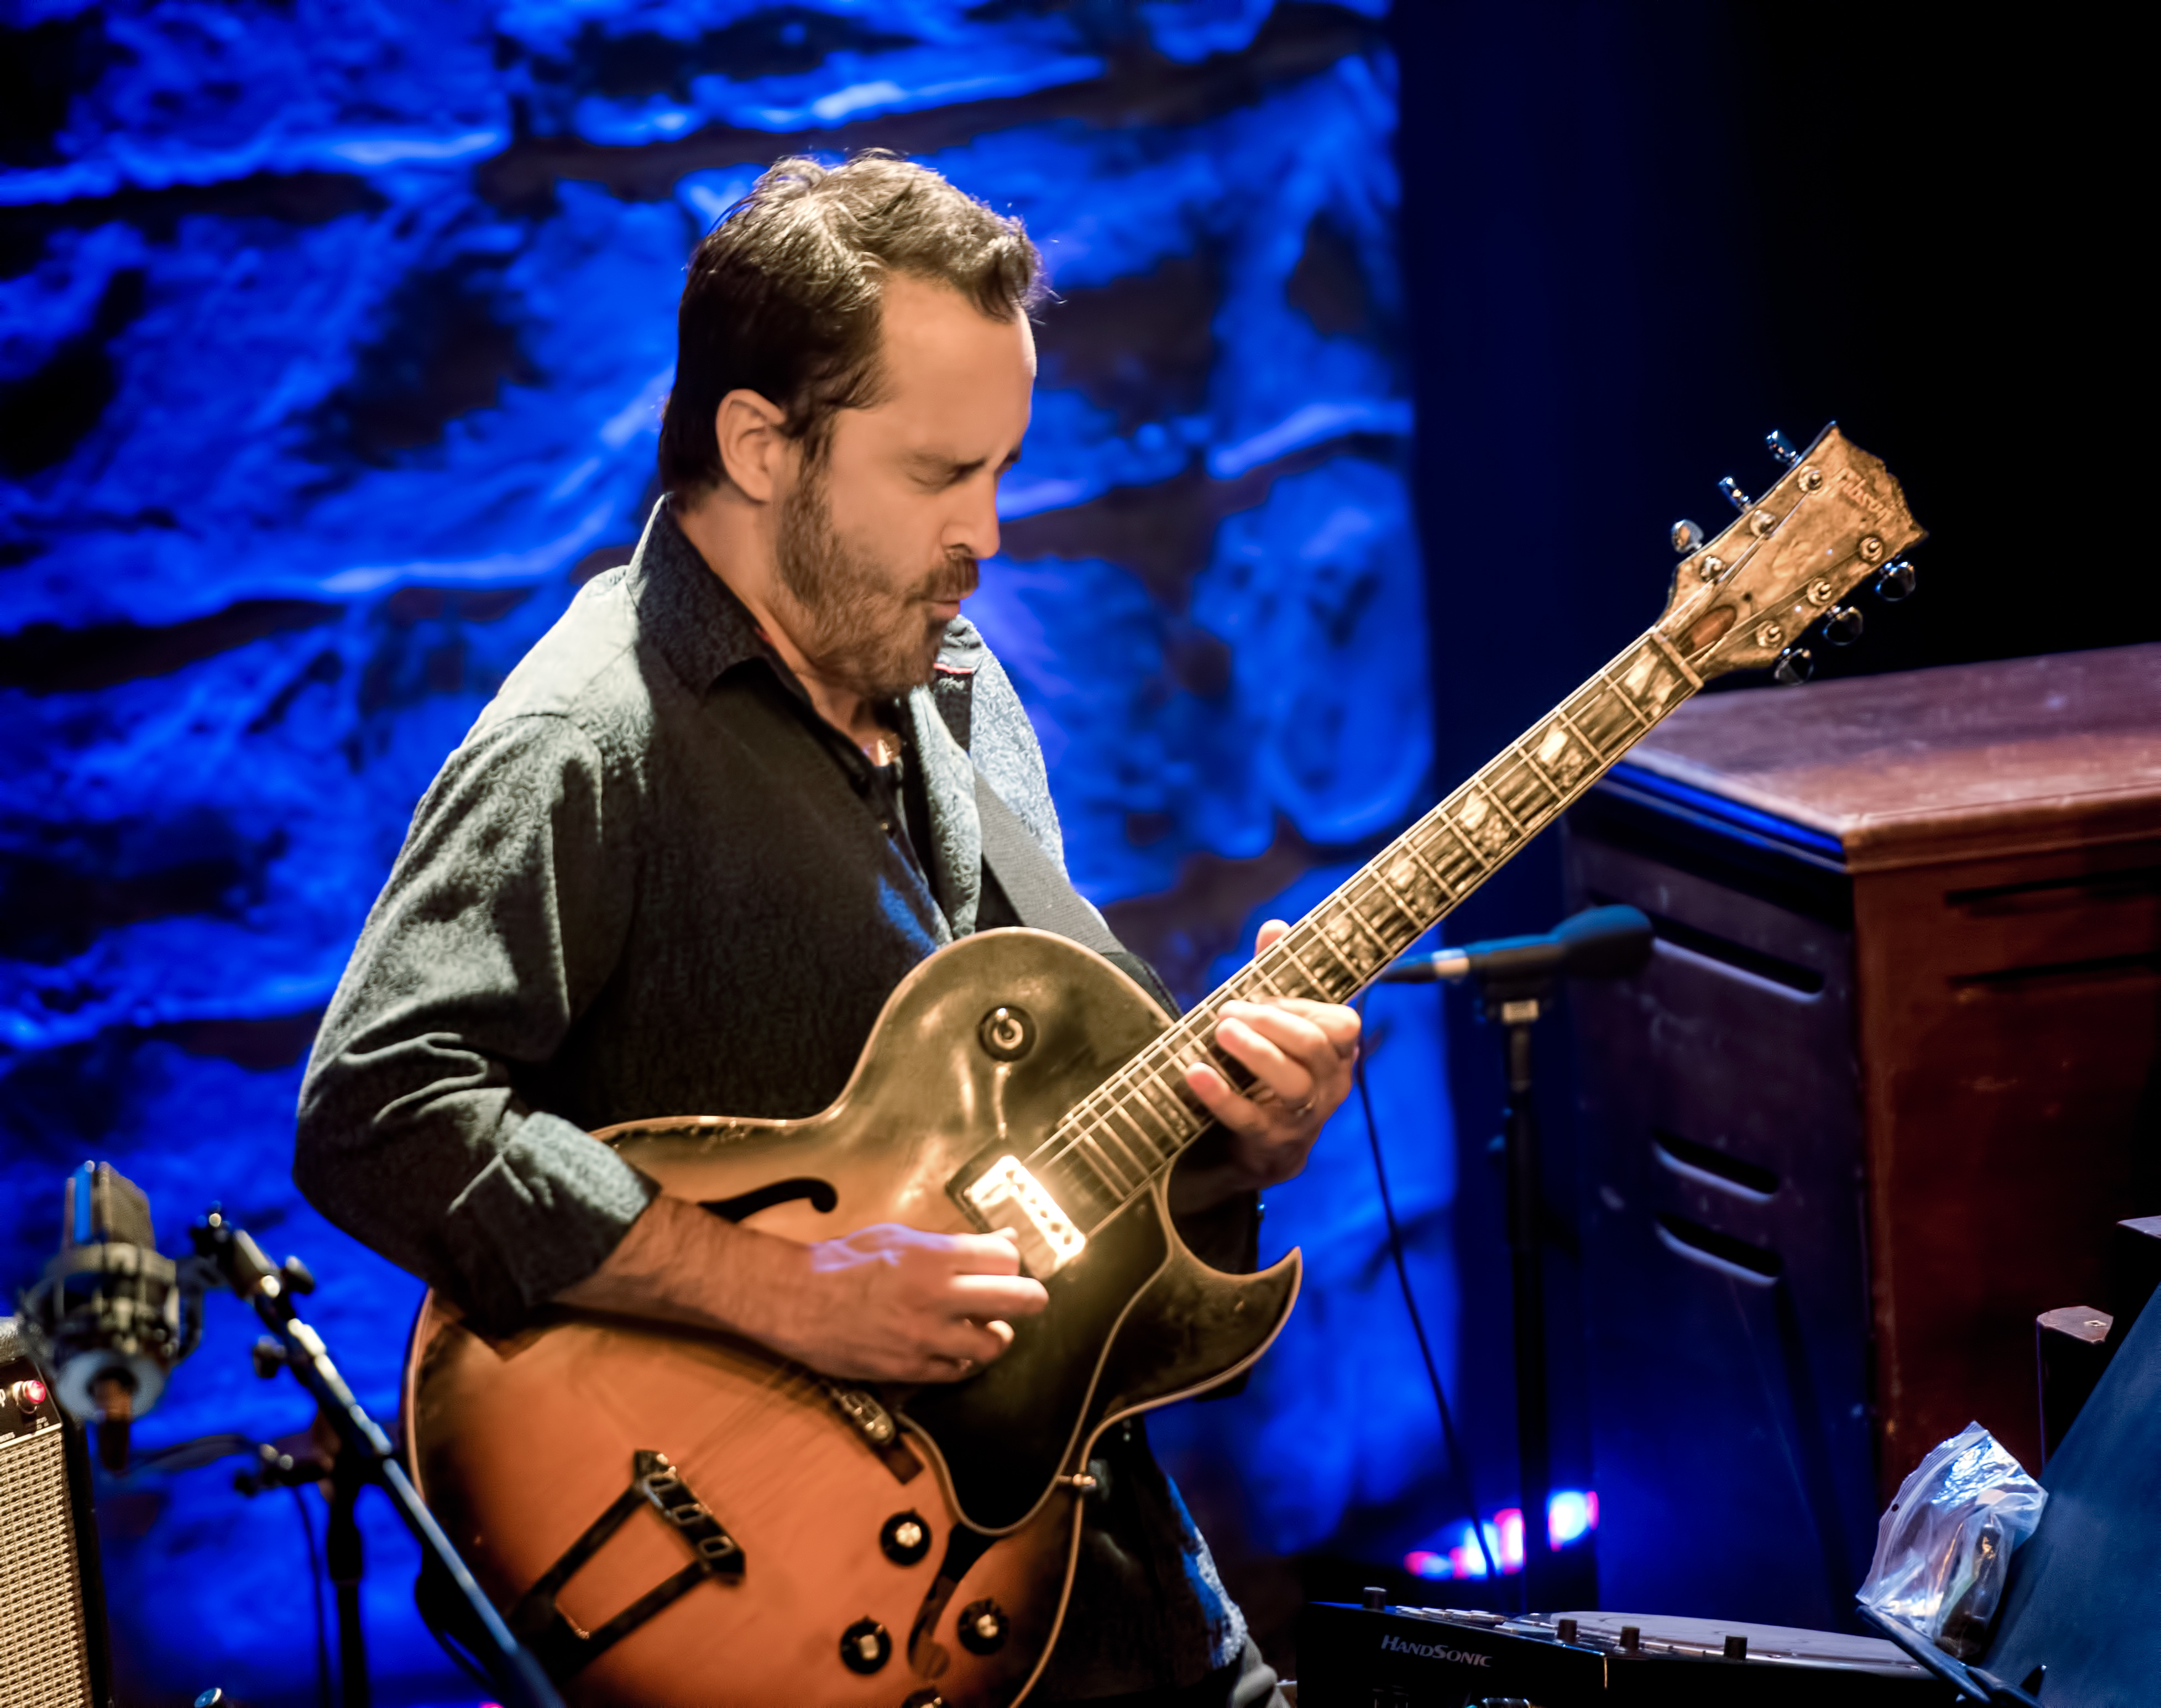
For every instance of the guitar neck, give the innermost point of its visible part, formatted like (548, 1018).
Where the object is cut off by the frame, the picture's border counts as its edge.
(1110, 1148)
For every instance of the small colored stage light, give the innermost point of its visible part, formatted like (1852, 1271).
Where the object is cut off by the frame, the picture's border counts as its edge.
(1571, 1514)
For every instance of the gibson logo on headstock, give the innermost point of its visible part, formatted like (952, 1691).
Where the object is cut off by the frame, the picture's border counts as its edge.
(1855, 489)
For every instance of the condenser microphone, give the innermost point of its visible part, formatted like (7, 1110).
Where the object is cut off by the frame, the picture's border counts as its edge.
(1597, 943)
(107, 1318)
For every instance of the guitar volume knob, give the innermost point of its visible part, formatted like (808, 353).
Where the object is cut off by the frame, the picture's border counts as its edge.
(866, 1645)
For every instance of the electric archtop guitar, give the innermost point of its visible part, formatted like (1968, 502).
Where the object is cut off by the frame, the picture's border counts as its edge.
(675, 1519)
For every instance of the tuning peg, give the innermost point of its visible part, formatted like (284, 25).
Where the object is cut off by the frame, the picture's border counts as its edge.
(1734, 496)
(1686, 536)
(1894, 581)
(1796, 665)
(1843, 627)
(1781, 448)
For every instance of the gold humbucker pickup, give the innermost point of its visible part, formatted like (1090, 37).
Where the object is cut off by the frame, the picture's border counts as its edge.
(1006, 1195)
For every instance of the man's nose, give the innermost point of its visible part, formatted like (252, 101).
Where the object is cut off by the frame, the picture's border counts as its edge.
(974, 529)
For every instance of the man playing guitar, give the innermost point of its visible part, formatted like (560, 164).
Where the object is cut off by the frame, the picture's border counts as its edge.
(685, 854)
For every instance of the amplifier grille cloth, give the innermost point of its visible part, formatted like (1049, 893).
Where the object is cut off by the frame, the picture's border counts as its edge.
(44, 1660)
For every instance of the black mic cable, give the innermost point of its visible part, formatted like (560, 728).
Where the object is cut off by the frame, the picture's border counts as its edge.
(1459, 1466)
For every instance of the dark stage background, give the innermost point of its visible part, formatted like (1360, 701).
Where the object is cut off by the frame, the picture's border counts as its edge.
(332, 337)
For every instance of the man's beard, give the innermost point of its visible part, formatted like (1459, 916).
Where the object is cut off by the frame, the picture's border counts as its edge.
(857, 630)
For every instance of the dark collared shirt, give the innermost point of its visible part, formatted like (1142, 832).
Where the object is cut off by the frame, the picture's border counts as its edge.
(652, 880)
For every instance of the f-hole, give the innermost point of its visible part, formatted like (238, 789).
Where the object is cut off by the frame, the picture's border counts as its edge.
(821, 1195)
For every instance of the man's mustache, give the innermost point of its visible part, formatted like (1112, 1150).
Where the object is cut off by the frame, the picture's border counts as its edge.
(953, 580)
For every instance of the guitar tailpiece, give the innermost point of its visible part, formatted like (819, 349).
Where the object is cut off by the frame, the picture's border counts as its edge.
(561, 1646)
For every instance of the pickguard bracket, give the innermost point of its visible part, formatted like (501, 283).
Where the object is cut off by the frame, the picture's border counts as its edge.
(558, 1643)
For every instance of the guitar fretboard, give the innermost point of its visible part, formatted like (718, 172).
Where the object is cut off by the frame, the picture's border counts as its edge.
(1109, 1148)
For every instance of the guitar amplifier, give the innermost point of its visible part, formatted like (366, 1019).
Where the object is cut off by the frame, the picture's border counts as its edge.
(1441, 1657)
(52, 1613)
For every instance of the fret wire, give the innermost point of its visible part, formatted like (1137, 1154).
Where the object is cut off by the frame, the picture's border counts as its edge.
(1466, 844)
(1544, 776)
(1359, 918)
(1281, 953)
(1447, 889)
(1074, 1147)
(1527, 766)
(1332, 950)
(1312, 978)
(1153, 1081)
(1589, 746)
(1621, 688)
(1673, 653)
(1621, 694)
(1155, 1156)
(1493, 799)
(1489, 781)
(1387, 887)
(1102, 1161)
(1587, 719)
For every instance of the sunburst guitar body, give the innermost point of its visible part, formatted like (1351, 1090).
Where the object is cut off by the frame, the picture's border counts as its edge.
(862, 1548)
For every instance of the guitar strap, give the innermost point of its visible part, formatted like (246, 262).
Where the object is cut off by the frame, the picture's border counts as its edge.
(1041, 895)
(1033, 883)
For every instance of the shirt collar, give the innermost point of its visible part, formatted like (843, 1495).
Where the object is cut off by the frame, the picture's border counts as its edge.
(701, 629)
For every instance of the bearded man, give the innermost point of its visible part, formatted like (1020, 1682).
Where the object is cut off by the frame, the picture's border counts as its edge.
(712, 820)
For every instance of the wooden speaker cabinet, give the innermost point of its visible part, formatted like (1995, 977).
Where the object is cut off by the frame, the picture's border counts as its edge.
(1893, 1071)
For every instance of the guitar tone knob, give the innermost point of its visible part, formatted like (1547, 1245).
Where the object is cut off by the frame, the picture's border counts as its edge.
(905, 1539)
(983, 1628)
(866, 1645)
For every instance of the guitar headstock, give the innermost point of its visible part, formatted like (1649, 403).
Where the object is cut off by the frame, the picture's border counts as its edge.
(1835, 520)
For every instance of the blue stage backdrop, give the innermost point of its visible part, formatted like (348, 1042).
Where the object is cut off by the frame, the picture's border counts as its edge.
(333, 336)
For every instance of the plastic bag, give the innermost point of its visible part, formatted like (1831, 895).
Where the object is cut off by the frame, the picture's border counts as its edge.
(1944, 1546)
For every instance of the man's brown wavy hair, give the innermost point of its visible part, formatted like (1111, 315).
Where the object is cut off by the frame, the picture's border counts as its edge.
(785, 294)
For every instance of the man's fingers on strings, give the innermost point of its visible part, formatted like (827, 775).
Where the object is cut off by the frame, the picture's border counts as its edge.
(1294, 1031)
(1291, 1079)
(1240, 1113)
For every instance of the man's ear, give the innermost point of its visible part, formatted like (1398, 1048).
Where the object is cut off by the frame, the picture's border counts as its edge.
(752, 447)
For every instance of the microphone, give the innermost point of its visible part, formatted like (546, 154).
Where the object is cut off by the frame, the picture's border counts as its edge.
(1596, 943)
(106, 1319)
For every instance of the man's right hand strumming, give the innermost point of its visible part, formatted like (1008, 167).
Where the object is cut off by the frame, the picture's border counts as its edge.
(884, 1304)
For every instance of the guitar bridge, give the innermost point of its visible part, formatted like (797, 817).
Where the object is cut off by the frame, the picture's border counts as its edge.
(1006, 1195)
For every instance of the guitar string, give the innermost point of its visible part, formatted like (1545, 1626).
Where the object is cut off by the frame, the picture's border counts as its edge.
(1607, 686)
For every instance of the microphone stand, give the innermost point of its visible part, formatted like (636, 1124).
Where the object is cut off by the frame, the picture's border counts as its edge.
(365, 1456)
(1515, 977)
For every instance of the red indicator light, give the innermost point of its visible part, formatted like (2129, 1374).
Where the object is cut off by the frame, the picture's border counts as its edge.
(30, 1394)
